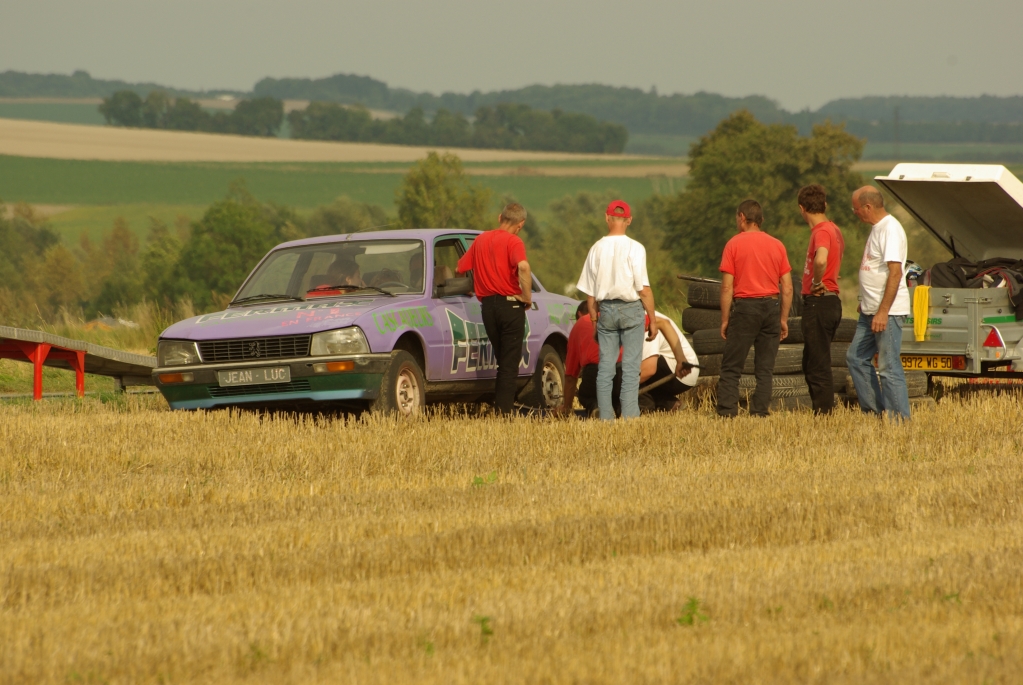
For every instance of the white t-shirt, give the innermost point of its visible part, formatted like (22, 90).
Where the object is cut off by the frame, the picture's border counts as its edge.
(886, 243)
(659, 347)
(615, 269)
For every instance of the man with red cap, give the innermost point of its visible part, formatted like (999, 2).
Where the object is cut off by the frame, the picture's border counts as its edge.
(617, 287)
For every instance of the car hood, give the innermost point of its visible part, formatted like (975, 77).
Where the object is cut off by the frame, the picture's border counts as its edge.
(284, 318)
(975, 210)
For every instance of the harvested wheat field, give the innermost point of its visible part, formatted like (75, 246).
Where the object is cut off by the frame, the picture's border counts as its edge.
(139, 545)
(24, 138)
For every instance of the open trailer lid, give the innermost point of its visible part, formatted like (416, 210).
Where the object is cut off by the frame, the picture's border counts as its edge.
(975, 210)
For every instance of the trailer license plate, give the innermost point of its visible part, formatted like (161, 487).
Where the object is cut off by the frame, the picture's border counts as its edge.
(257, 376)
(926, 363)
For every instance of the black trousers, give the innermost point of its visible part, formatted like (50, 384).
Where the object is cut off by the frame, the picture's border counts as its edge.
(663, 397)
(756, 322)
(821, 316)
(588, 389)
(505, 323)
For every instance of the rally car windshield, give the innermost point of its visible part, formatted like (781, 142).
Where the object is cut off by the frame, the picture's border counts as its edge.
(355, 268)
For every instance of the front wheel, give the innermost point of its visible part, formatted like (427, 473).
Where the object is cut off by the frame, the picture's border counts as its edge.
(403, 388)
(546, 388)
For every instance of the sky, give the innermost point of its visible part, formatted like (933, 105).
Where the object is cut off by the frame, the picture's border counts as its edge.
(801, 54)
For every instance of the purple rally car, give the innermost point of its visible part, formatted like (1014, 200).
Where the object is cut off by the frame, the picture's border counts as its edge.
(400, 332)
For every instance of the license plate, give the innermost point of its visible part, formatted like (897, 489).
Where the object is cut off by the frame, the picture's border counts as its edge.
(258, 376)
(926, 363)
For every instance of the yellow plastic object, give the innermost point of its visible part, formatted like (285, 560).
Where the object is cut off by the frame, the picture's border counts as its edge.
(921, 310)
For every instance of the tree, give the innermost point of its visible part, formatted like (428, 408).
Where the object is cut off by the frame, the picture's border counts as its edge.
(123, 108)
(743, 158)
(227, 243)
(346, 216)
(120, 280)
(437, 193)
(257, 117)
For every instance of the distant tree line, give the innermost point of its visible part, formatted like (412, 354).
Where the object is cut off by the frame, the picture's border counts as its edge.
(256, 117)
(979, 119)
(504, 126)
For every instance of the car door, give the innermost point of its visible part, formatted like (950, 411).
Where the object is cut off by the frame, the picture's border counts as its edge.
(463, 348)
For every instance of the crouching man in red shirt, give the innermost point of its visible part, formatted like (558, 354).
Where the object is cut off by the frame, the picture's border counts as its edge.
(581, 363)
(504, 287)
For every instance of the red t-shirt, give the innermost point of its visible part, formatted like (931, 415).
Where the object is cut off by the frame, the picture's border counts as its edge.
(757, 261)
(826, 235)
(583, 348)
(494, 260)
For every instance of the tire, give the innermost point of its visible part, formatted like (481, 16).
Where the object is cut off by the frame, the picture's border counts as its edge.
(916, 385)
(838, 352)
(695, 319)
(845, 332)
(838, 378)
(704, 295)
(710, 364)
(403, 388)
(781, 386)
(546, 388)
(925, 403)
(708, 341)
(795, 336)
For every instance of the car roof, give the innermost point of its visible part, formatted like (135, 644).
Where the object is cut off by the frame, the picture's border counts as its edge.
(400, 234)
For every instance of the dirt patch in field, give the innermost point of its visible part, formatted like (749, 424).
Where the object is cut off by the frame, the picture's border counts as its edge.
(71, 141)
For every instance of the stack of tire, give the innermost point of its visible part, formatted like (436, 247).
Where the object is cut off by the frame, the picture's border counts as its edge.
(702, 320)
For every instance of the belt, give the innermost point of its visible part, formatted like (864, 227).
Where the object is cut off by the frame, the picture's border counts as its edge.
(765, 297)
(509, 298)
(827, 293)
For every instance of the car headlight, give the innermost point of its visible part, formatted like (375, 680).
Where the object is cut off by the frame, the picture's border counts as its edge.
(342, 341)
(176, 353)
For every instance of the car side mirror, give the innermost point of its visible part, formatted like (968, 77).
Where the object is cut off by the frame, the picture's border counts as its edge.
(454, 286)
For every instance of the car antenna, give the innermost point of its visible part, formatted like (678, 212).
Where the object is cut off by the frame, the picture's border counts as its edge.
(373, 228)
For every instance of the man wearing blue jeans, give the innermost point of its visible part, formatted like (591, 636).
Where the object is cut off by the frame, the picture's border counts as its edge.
(617, 287)
(884, 306)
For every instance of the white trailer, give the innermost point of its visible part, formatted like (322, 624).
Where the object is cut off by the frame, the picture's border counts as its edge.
(976, 211)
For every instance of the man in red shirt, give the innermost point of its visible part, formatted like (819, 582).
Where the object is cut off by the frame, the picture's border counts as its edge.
(581, 363)
(753, 264)
(822, 309)
(504, 286)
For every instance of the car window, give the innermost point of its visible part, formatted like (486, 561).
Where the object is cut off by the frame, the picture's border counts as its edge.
(392, 265)
(446, 254)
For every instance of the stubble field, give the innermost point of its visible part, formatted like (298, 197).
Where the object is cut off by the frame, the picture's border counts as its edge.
(140, 545)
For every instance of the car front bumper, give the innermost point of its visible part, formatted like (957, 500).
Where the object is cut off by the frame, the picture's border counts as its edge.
(306, 385)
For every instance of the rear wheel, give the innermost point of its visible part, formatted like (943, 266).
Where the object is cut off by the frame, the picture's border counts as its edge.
(403, 388)
(546, 388)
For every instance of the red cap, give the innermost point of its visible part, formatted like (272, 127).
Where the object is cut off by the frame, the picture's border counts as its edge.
(619, 208)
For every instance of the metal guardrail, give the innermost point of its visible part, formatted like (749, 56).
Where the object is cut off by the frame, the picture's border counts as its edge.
(46, 349)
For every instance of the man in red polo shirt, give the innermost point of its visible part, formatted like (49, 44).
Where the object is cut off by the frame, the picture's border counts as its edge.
(752, 265)
(822, 309)
(504, 286)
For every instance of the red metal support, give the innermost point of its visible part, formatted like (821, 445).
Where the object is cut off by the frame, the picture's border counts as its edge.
(36, 353)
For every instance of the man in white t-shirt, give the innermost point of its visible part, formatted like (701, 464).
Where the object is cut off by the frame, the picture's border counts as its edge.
(884, 306)
(660, 357)
(617, 288)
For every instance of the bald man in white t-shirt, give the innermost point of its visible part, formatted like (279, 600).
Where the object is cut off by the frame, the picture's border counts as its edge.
(884, 306)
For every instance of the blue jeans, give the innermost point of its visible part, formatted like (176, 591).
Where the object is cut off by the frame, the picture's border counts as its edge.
(620, 325)
(891, 395)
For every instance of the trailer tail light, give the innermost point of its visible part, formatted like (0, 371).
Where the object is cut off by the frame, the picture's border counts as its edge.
(994, 341)
(167, 378)
(959, 363)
